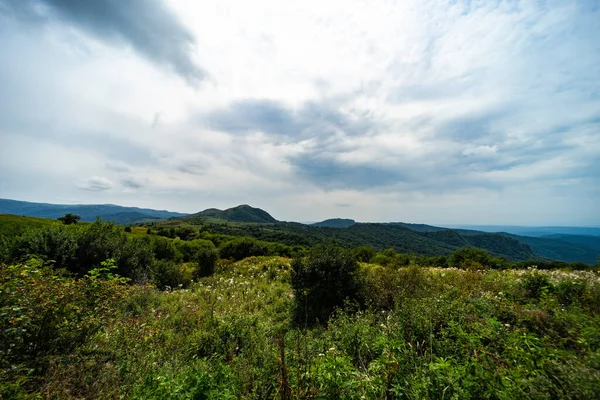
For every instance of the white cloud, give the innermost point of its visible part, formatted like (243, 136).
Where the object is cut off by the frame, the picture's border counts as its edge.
(344, 102)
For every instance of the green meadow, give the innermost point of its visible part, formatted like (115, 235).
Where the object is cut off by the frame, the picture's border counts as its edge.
(92, 311)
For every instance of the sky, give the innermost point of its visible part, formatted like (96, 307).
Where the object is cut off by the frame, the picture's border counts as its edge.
(428, 111)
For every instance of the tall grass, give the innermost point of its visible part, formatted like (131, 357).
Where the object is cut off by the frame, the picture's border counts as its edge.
(437, 333)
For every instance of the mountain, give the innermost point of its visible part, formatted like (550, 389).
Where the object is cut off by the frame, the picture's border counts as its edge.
(559, 249)
(586, 240)
(87, 212)
(242, 213)
(533, 231)
(428, 241)
(336, 223)
(558, 246)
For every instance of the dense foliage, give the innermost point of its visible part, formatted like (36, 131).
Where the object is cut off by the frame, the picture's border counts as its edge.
(426, 333)
(322, 281)
(93, 311)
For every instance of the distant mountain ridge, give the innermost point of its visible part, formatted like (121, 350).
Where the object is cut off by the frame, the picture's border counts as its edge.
(562, 247)
(403, 237)
(336, 223)
(87, 212)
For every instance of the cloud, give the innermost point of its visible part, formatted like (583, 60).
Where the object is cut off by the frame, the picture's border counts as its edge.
(96, 184)
(275, 118)
(343, 205)
(132, 183)
(419, 110)
(149, 27)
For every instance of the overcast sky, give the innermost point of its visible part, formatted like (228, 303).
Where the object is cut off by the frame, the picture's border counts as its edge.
(475, 112)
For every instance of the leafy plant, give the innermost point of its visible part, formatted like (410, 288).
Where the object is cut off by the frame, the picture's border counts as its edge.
(322, 281)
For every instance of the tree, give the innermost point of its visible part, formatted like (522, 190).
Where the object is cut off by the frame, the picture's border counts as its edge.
(363, 253)
(322, 281)
(474, 258)
(69, 219)
(241, 248)
(206, 259)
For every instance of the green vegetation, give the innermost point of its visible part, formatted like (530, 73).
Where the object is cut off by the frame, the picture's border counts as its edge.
(570, 248)
(69, 219)
(92, 311)
(14, 225)
(88, 213)
(243, 213)
(322, 281)
(422, 333)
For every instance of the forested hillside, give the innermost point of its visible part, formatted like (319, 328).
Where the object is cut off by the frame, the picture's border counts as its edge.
(87, 212)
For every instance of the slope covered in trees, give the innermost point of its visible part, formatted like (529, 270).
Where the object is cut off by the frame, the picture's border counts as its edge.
(88, 212)
(242, 213)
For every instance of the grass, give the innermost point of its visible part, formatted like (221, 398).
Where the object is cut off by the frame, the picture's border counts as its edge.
(427, 333)
(14, 225)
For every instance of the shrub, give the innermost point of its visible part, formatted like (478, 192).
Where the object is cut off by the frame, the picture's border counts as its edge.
(185, 233)
(167, 273)
(241, 248)
(69, 219)
(188, 250)
(45, 315)
(206, 259)
(363, 253)
(322, 281)
(164, 249)
(440, 261)
(474, 258)
(536, 285)
(569, 292)
(127, 229)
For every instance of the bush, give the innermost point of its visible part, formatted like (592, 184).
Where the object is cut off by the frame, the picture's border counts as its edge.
(45, 315)
(569, 292)
(188, 250)
(167, 273)
(241, 248)
(536, 285)
(127, 229)
(206, 259)
(322, 281)
(363, 253)
(474, 258)
(164, 249)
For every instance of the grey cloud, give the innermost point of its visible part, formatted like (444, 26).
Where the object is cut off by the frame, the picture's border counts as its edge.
(148, 26)
(331, 174)
(132, 183)
(96, 184)
(118, 166)
(475, 128)
(271, 117)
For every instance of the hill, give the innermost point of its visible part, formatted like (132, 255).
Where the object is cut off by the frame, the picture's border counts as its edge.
(559, 249)
(586, 240)
(14, 225)
(242, 213)
(532, 231)
(336, 223)
(87, 212)
(380, 236)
